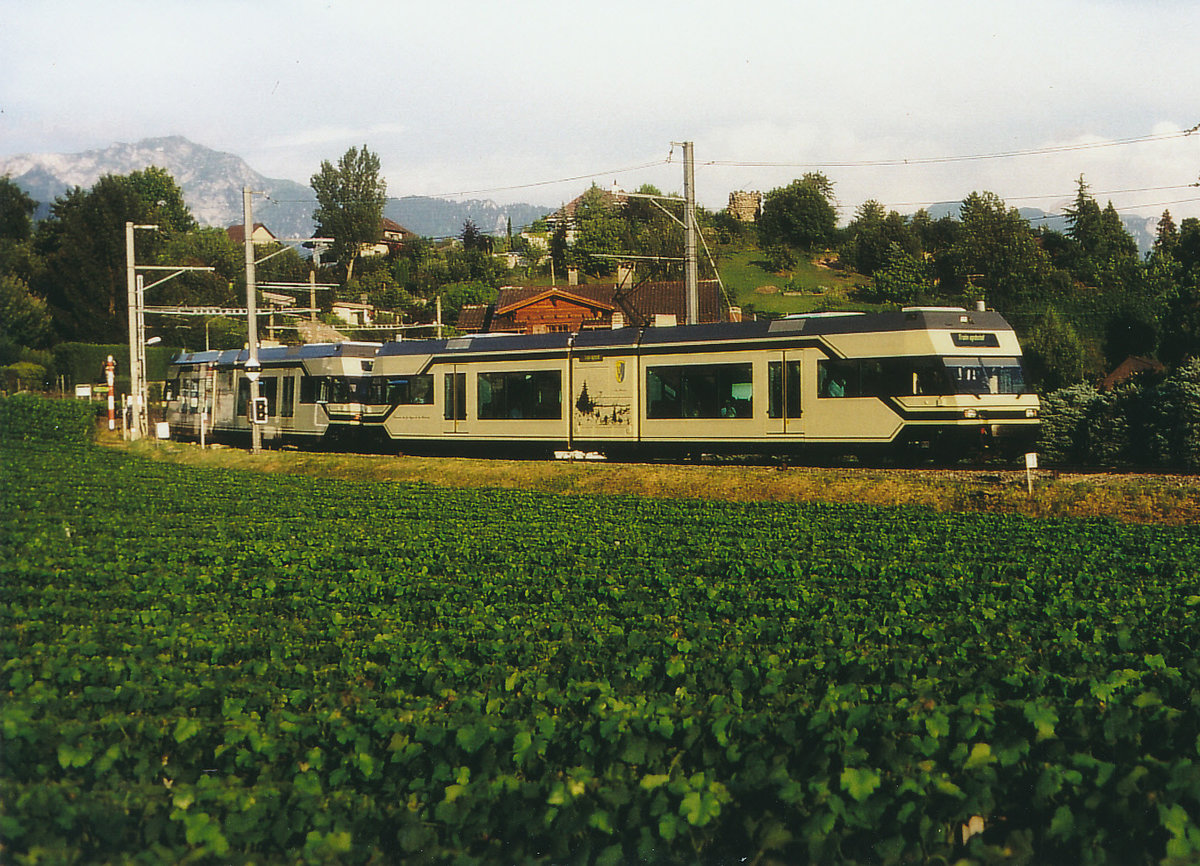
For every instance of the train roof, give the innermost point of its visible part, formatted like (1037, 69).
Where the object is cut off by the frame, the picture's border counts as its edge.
(909, 319)
(807, 324)
(270, 355)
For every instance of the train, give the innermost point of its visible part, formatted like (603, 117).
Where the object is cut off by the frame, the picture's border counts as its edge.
(940, 382)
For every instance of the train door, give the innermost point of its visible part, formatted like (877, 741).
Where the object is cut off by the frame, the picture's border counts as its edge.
(454, 398)
(784, 404)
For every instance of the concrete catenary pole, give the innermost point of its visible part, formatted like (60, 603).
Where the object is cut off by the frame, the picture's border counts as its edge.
(252, 366)
(689, 225)
(131, 292)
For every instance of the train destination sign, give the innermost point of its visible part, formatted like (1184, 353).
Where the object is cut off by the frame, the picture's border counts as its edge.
(962, 338)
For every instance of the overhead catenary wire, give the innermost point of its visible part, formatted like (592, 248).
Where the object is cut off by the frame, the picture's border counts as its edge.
(892, 162)
(938, 160)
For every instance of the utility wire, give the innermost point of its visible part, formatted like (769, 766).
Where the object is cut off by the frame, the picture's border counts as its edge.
(938, 160)
(1011, 198)
(879, 163)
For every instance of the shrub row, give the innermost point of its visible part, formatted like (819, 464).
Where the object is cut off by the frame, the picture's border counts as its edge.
(29, 417)
(1146, 422)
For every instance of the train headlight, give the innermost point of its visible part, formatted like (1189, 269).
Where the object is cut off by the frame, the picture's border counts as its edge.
(970, 413)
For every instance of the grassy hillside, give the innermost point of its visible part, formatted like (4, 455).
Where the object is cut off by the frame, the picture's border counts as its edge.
(809, 286)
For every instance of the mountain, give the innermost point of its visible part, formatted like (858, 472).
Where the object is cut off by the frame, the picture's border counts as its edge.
(212, 184)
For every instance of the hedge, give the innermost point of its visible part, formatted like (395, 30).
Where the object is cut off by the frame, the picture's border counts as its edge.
(28, 417)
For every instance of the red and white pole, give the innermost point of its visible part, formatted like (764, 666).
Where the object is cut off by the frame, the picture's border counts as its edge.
(110, 367)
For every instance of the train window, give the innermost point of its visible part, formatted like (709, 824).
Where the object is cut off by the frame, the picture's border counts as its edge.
(314, 389)
(402, 390)
(456, 396)
(268, 386)
(838, 378)
(700, 391)
(783, 379)
(880, 377)
(243, 396)
(986, 375)
(343, 389)
(533, 394)
(287, 401)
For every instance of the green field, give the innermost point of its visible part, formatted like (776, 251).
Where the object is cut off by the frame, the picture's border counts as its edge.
(207, 665)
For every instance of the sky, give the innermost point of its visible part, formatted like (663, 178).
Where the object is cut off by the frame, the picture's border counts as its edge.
(908, 103)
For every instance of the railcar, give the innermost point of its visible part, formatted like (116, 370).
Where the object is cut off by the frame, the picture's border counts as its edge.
(938, 381)
(315, 393)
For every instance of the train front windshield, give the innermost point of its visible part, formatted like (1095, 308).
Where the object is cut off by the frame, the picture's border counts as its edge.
(986, 375)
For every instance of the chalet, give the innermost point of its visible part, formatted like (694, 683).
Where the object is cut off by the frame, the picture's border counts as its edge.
(260, 235)
(542, 310)
(565, 215)
(394, 236)
(354, 314)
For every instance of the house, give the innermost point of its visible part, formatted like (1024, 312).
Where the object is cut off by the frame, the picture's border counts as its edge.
(276, 300)
(1127, 369)
(565, 215)
(260, 235)
(542, 310)
(354, 313)
(393, 237)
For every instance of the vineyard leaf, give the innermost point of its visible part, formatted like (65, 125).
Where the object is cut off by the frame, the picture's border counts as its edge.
(860, 783)
(981, 755)
(1043, 718)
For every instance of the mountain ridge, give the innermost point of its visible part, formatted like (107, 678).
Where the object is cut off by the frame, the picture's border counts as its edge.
(212, 183)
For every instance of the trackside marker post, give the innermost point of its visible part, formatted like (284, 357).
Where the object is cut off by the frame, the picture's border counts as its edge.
(1030, 465)
(110, 368)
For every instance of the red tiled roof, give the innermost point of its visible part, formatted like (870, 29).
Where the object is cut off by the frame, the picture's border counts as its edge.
(1129, 368)
(670, 298)
(639, 305)
(515, 297)
(474, 317)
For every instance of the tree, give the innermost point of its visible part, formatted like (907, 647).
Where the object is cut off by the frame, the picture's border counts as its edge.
(1100, 238)
(350, 200)
(24, 317)
(996, 249)
(600, 231)
(903, 279)
(1188, 251)
(800, 214)
(871, 236)
(473, 240)
(1083, 218)
(164, 199)
(16, 212)
(1166, 239)
(82, 243)
(1057, 357)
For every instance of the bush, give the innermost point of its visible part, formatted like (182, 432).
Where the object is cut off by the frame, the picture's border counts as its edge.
(23, 376)
(1139, 423)
(1173, 415)
(1106, 432)
(27, 417)
(1065, 414)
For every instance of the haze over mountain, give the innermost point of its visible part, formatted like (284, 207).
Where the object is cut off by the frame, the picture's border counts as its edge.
(212, 185)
